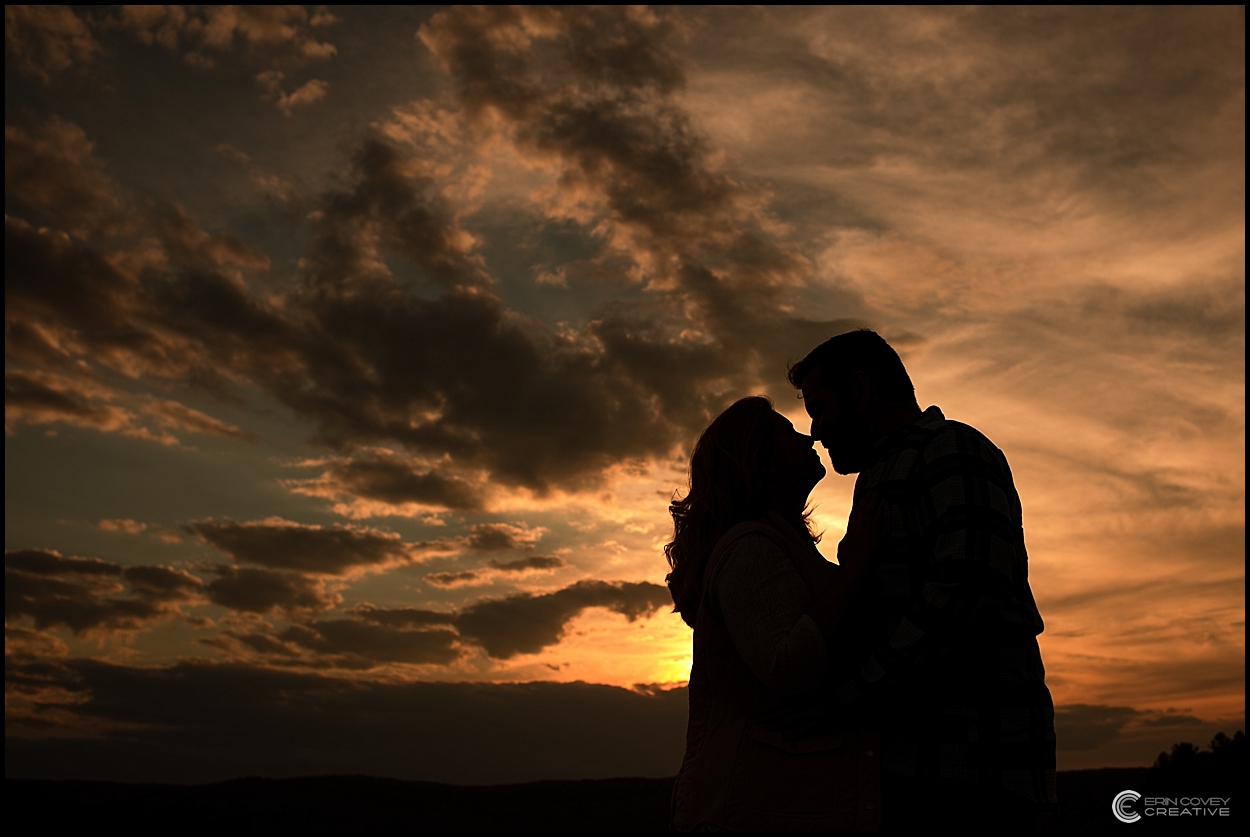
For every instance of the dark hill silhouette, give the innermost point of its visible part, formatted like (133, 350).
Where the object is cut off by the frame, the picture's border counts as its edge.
(345, 803)
(364, 803)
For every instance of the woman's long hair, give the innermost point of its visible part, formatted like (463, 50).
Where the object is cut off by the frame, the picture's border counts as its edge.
(728, 485)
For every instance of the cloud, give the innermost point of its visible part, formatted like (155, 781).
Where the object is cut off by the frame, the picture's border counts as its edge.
(527, 623)
(494, 568)
(179, 416)
(34, 398)
(312, 91)
(1087, 727)
(498, 537)
(85, 594)
(373, 643)
(47, 40)
(435, 361)
(522, 623)
(378, 481)
(45, 398)
(462, 578)
(200, 722)
(533, 562)
(62, 298)
(275, 34)
(33, 646)
(338, 550)
(253, 590)
(130, 527)
(53, 168)
(1098, 735)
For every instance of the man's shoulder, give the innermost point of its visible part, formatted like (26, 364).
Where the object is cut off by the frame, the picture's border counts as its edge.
(936, 441)
(942, 436)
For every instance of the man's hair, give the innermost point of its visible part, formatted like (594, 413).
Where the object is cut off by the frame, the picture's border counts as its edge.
(861, 350)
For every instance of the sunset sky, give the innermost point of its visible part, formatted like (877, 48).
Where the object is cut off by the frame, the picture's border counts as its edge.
(352, 356)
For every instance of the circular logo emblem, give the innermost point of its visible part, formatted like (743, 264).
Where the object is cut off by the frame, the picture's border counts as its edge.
(1120, 806)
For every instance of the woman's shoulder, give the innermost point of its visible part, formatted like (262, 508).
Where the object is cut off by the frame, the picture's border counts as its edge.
(756, 542)
(747, 539)
(746, 547)
(769, 551)
(755, 554)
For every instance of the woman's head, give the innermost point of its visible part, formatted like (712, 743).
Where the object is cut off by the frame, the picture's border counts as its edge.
(749, 460)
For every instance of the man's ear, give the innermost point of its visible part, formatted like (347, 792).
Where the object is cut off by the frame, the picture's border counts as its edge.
(859, 387)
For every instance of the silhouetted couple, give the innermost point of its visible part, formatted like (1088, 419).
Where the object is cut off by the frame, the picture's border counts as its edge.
(901, 688)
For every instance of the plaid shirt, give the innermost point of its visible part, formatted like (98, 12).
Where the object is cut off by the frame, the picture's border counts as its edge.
(941, 642)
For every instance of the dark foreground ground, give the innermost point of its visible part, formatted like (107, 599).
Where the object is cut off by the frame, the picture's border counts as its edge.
(363, 803)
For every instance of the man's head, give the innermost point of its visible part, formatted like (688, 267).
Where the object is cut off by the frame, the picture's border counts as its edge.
(855, 388)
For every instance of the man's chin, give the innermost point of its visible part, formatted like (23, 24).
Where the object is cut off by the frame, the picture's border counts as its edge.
(847, 462)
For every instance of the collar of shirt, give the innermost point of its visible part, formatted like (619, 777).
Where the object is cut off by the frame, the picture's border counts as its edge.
(892, 441)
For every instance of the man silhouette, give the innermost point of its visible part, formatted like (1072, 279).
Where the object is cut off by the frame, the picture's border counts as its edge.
(939, 648)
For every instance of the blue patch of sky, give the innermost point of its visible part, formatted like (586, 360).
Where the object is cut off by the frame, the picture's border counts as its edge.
(518, 246)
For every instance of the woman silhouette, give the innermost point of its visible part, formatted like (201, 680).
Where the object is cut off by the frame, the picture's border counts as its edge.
(763, 751)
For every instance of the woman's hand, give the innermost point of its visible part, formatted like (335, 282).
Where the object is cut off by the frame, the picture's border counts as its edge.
(856, 549)
(855, 553)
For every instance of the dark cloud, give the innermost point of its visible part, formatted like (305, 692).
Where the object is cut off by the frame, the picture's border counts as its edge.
(255, 590)
(394, 330)
(282, 544)
(533, 562)
(196, 722)
(1097, 735)
(281, 35)
(527, 623)
(176, 415)
(1081, 726)
(498, 537)
(33, 397)
(64, 299)
(456, 375)
(53, 169)
(88, 594)
(39, 399)
(494, 568)
(33, 646)
(376, 643)
(46, 40)
(462, 578)
(383, 476)
(403, 617)
(1173, 718)
(522, 623)
(260, 643)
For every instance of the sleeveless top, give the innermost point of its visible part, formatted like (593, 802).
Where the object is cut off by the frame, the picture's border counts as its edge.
(757, 760)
